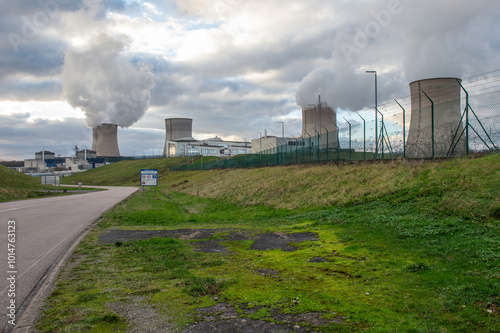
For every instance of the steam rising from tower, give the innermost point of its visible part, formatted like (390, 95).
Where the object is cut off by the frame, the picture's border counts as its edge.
(108, 84)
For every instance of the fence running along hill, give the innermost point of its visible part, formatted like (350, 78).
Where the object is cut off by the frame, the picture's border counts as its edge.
(477, 131)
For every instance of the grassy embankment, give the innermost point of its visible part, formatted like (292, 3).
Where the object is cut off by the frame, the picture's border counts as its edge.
(16, 186)
(124, 173)
(406, 247)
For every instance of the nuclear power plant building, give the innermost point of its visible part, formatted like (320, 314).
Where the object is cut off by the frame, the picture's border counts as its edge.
(435, 119)
(179, 142)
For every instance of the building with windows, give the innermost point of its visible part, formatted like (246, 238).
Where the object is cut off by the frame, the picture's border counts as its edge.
(179, 141)
(209, 147)
(270, 142)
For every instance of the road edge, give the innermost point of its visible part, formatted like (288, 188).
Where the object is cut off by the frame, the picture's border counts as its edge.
(32, 305)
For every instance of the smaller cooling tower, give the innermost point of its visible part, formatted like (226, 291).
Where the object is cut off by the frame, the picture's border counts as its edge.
(105, 140)
(177, 128)
(320, 119)
(445, 94)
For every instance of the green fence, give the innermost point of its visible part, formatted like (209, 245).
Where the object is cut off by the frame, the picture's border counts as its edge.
(476, 130)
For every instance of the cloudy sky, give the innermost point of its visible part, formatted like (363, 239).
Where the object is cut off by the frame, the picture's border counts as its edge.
(236, 67)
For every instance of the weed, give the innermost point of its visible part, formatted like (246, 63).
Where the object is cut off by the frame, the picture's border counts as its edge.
(417, 267)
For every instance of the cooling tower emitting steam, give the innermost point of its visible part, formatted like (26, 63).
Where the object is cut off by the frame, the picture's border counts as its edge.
(105, 140)
(108, 84)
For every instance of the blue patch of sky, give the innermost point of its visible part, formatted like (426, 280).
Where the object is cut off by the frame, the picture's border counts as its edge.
(199, 25)
(137, 8)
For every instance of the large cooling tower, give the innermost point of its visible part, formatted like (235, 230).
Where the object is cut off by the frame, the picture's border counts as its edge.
(320, 119)
(105, 140)
(445, 94)
(177, 128)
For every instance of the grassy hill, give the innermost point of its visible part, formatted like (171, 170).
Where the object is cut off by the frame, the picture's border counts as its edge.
(460, 186)
(15, 185)
(124, 173)
(469, 186)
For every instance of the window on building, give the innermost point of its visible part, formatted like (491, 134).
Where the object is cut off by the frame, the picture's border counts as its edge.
(171, 149)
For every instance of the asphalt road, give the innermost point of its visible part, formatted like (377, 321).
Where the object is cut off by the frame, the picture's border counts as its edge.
(43, 231)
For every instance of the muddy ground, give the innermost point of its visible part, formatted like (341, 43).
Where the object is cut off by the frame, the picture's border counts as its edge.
(223, 317)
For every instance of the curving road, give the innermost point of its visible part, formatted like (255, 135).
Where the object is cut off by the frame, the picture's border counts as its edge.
(45, 229)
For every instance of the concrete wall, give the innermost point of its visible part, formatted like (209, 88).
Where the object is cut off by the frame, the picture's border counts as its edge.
(446, 95)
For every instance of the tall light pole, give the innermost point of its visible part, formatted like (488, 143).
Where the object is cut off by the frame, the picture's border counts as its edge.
(282, 129)
(376, 110)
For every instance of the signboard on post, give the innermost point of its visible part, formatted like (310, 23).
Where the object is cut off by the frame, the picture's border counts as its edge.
(149, 177)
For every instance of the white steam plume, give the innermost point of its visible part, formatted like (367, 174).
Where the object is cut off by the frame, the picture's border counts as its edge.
(106, 83)
(344, 89)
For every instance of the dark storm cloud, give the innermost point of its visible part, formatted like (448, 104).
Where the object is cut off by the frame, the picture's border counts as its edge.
(20, 138)
(49, 90)
(39, 58)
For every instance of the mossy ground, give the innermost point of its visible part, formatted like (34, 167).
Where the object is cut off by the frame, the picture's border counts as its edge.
(419, 254)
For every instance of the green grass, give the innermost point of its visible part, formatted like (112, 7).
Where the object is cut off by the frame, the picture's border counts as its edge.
(124, 173)
(409, 247)
(17, 186)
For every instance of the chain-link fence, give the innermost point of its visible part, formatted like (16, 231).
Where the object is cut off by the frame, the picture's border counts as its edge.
(438, 120)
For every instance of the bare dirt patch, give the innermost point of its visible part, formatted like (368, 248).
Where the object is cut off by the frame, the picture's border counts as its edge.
(224, 317)
(262, 242)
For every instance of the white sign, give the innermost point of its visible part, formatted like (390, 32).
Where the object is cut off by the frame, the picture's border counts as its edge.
(50, 180)
(149, 177)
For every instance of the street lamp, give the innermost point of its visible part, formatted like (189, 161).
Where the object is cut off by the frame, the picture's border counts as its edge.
(282, 129)
(376, 108)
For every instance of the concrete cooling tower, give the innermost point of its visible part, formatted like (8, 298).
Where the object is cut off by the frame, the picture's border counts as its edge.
(445, 93)
(105, 140)
(177, 128)
(320, 119)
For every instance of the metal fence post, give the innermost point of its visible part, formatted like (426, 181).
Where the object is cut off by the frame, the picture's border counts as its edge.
(327, 159)
(350, 150)
(382, 133)
(404, 129)
(432, 115)
(364, 136)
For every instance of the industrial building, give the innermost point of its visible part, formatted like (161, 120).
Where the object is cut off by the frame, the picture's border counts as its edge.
(85, 154)
(44, 155)
(269, 142)
(435, 118)
(179, 141)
